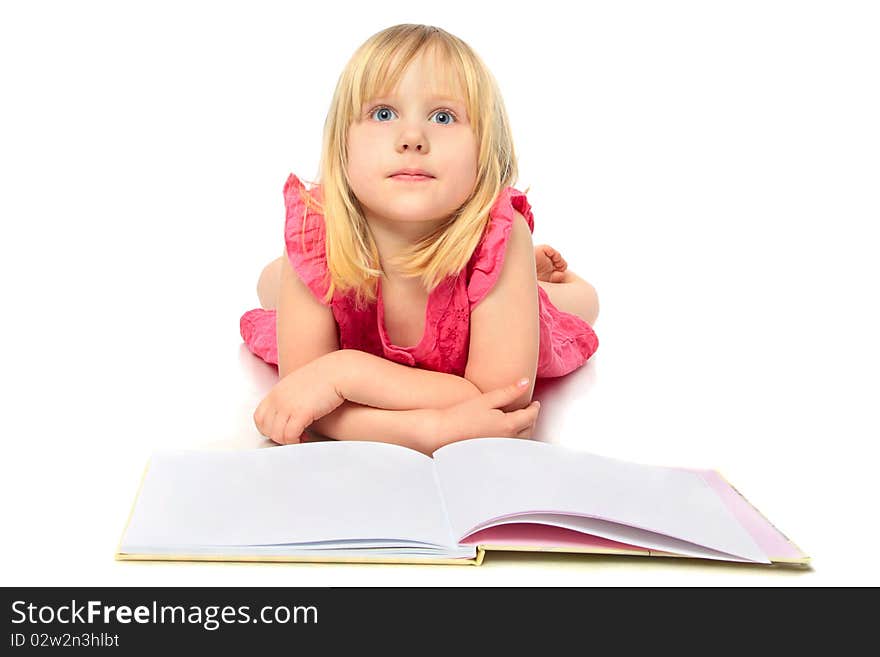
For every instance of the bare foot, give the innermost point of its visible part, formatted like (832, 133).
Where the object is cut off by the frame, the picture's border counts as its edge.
(549, 264)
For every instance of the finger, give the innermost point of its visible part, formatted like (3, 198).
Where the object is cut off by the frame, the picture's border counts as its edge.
(526, 433)
(504, 395)
(292, 431)
(264, 424)
(278, 424)
(525, 417)
(269, 423)
(259, 413)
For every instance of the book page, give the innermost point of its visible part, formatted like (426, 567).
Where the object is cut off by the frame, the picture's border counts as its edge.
(614, 532)
(487, 479)
(318, 493)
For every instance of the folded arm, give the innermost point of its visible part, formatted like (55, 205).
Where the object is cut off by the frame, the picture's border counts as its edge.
(367, 379)
(415, 429)
(389, 402)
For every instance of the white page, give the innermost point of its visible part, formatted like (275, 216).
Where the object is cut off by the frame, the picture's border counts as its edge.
(466, 552)
(310, 492)
(614, 531)
(486, 479)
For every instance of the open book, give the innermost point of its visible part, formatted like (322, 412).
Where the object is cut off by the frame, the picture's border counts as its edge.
(362, 501)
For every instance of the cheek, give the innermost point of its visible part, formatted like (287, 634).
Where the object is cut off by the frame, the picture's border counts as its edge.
(463, 162)
(359, 159)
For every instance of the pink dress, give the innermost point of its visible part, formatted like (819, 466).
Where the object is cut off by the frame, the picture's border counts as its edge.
(566, 341)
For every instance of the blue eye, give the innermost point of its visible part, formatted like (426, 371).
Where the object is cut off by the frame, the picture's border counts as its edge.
(381, 109)
(445, 113)
(386, 110)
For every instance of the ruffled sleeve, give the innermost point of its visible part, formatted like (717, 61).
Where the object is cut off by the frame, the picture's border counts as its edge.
(488, 258)
(304, 236)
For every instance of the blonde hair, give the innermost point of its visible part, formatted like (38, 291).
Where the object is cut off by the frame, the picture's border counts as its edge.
(374, 70)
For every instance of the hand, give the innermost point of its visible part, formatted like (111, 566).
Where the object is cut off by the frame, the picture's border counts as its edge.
(298, 400)
(481, 417)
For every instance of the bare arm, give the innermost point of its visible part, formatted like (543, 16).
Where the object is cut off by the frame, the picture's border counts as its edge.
(389, 402)
(505, 326)
(373, 381)
(415, 429)
(427, 430)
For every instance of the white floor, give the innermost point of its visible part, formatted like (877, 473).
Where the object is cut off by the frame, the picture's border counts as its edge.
(729, 228)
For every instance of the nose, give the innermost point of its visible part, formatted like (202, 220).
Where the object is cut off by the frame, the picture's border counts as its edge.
(412, 138)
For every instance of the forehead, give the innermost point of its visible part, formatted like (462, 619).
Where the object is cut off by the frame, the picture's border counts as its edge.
(429, 77)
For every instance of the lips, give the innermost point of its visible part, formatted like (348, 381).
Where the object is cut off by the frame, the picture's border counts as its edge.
(411, 173)
(406, 176)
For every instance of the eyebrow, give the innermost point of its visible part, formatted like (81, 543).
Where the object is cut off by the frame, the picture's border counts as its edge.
(435, 98)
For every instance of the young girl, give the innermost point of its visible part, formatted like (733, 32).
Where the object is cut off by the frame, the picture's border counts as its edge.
(410, 301)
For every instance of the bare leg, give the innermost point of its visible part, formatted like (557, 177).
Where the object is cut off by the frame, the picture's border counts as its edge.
(270, 281)
(574, 295)
(567, 291)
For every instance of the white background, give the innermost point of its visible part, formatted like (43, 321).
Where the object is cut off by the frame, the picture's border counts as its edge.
(712, 168)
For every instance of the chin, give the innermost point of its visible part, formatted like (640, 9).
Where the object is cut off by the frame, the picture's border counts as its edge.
(410, 217)
(411, 207)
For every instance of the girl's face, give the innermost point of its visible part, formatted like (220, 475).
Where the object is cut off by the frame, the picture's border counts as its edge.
(412, 129)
